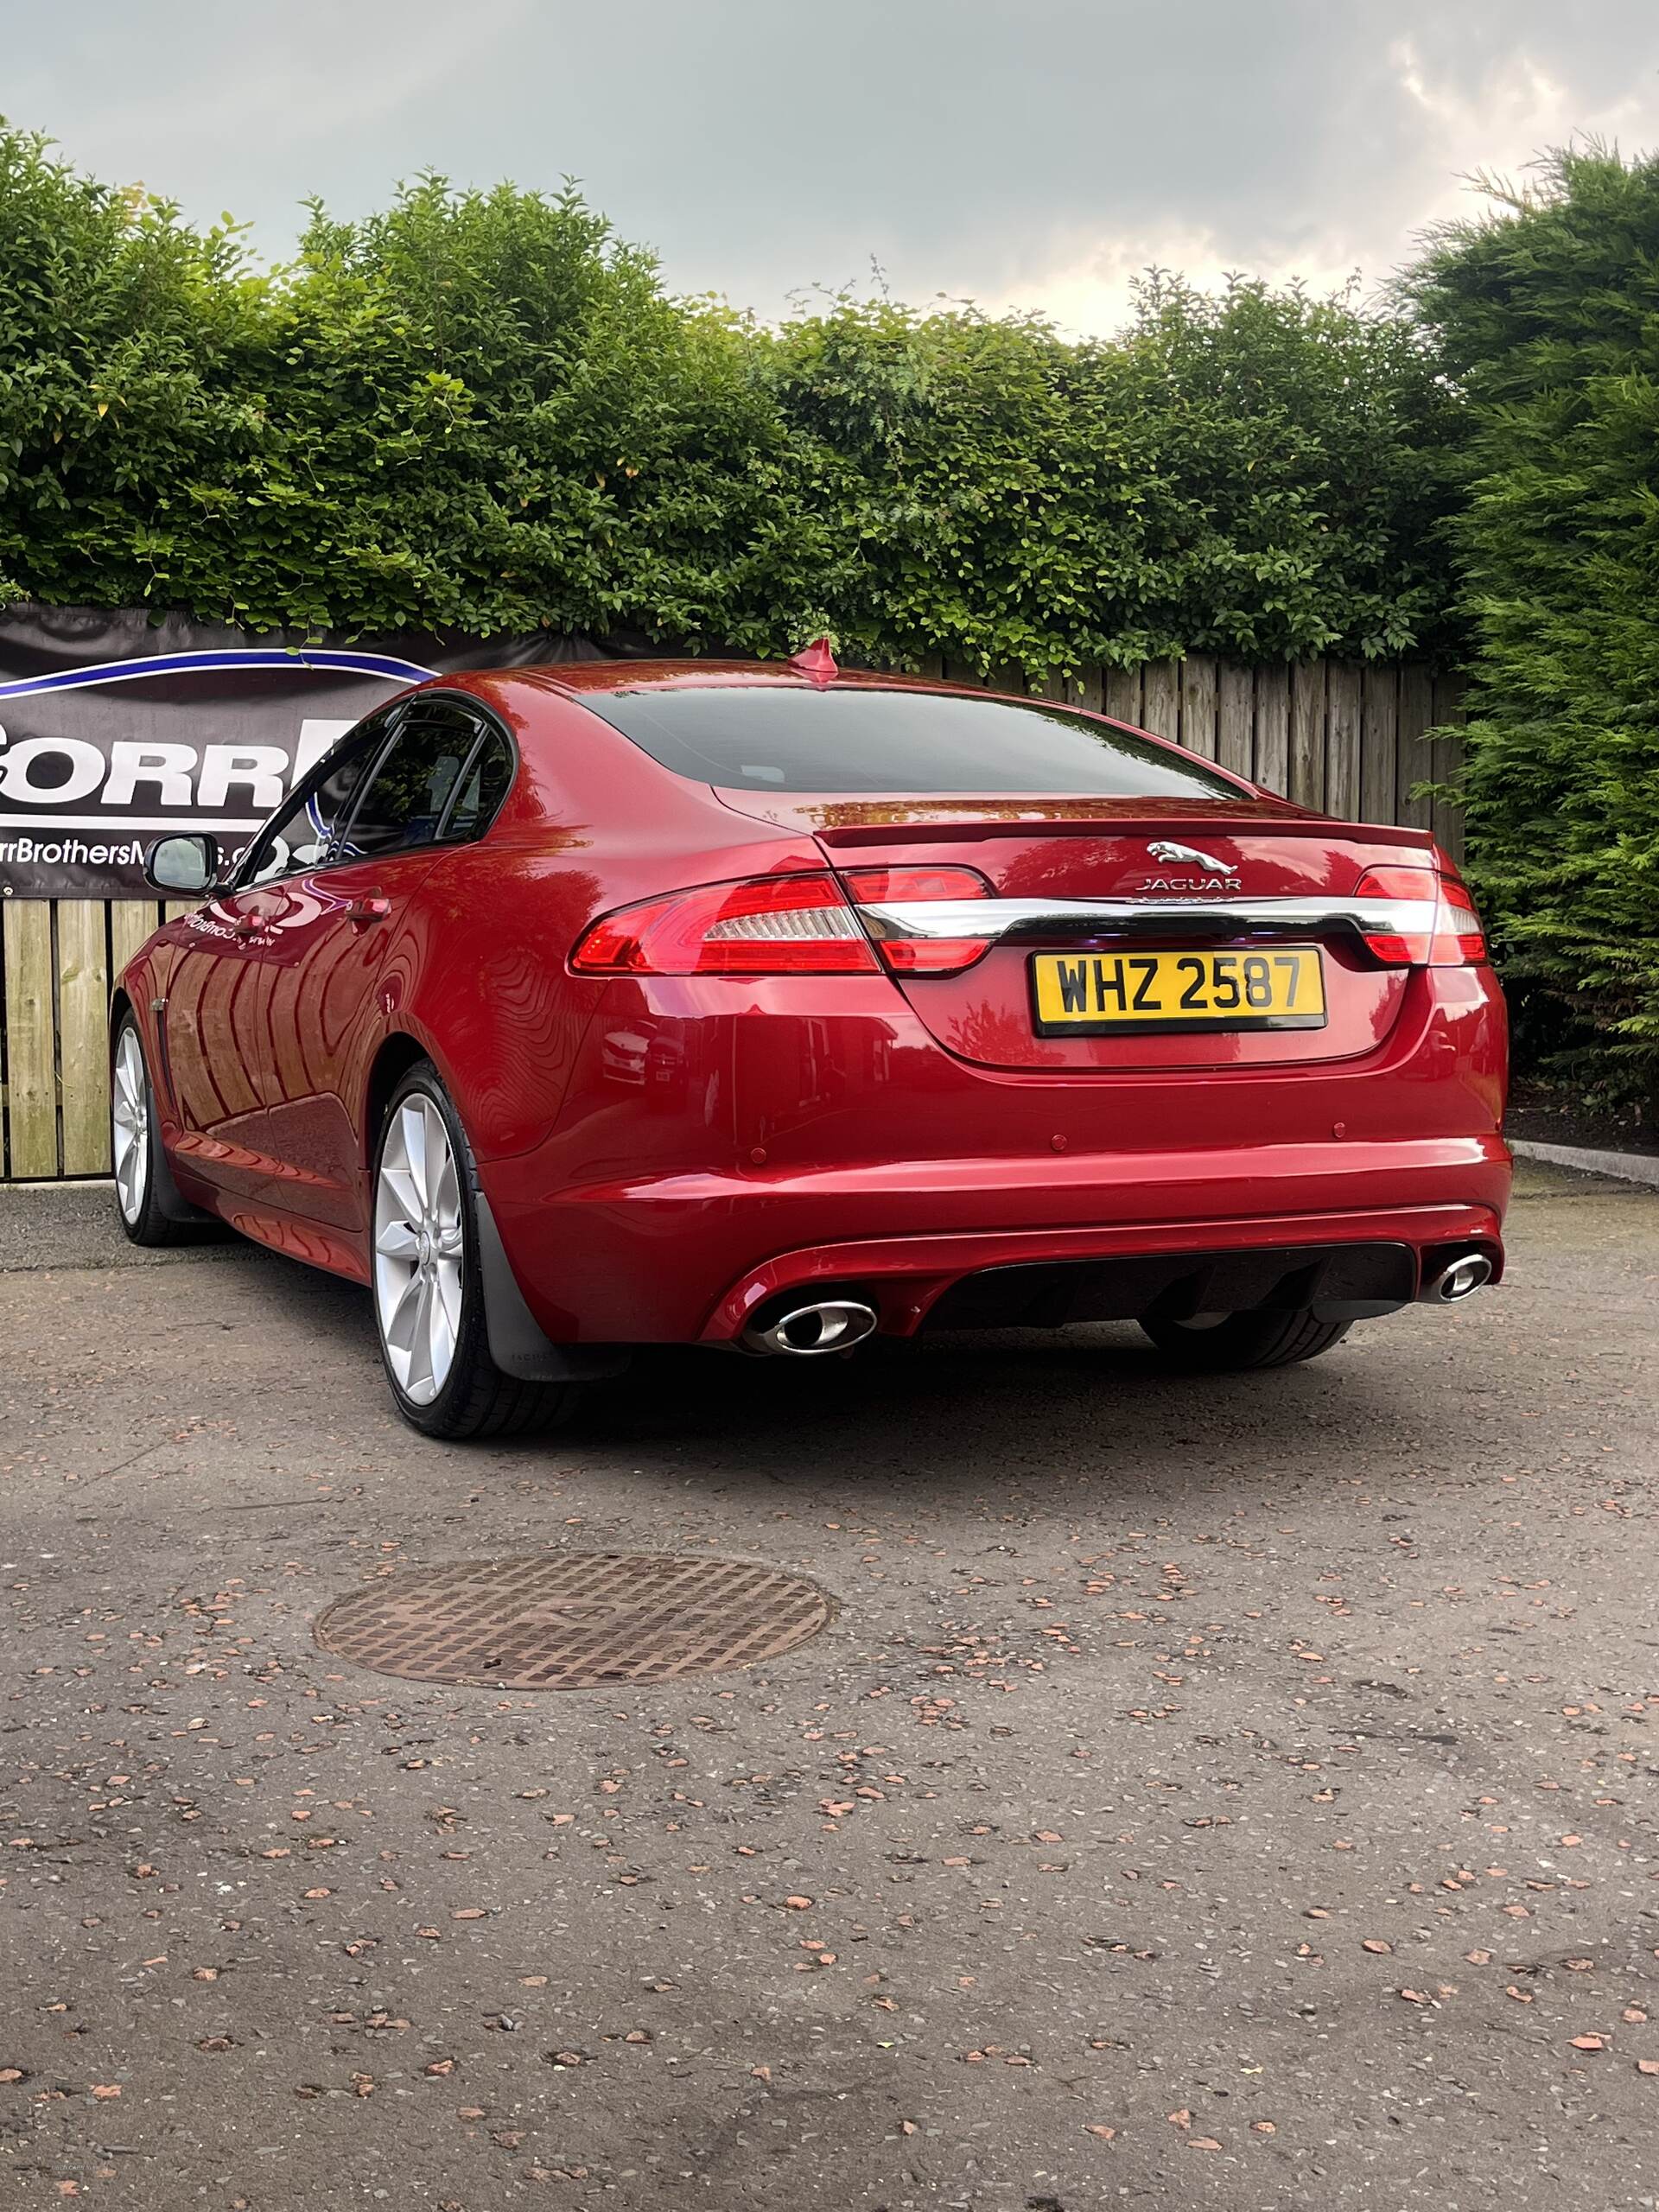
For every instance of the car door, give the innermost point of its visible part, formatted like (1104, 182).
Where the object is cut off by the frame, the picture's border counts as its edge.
(341, 952)
(214, 1020)
(210, 1027)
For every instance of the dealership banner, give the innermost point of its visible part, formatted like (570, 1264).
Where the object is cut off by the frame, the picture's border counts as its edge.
(115, 730)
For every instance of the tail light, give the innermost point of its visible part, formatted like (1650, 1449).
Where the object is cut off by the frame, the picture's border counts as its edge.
(771, 925)
(1443, 932)
(919, 887)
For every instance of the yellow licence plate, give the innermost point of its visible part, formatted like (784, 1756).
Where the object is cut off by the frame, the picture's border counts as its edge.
(1090, 993)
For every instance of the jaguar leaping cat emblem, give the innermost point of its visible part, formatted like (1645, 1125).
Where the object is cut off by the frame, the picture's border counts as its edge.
(1163, 849)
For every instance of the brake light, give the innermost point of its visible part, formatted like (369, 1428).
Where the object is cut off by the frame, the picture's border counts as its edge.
(1435, 924)
(770, 925)
(1459, 940)
(917, 954)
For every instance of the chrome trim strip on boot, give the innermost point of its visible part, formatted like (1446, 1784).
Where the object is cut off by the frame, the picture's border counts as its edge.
(1073, 918)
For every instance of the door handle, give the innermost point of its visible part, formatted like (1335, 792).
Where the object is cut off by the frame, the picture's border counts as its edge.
(247, 925)
(362, 912)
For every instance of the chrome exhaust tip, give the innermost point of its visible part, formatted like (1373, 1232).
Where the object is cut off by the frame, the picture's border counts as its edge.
(827, 1324)
(1459, 1279)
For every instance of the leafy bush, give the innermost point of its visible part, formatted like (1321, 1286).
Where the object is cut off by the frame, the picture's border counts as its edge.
(474, 409)
(1257, 475)
(121, 337)
(1549, 312)
(481, 409)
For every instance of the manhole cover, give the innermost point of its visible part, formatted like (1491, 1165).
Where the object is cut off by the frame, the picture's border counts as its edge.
(574, 1620)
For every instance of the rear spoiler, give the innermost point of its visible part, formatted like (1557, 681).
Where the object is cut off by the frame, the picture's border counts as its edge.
(852, 834)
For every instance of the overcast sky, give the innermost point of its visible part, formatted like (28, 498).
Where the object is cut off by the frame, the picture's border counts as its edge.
(1027, 152)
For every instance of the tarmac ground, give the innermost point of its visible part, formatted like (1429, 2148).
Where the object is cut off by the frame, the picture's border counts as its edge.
(1229, 1793)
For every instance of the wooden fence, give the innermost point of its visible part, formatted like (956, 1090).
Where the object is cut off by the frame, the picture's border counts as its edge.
(1347, 740)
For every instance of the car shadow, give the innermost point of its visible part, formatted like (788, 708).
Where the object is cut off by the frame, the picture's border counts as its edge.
(1002, 1405)
(1013, 1399)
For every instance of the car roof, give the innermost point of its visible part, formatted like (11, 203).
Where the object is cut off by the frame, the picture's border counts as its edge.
(577, 676)
(577, 679)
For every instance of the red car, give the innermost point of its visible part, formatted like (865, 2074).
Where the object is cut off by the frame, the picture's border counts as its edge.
(769, 1007)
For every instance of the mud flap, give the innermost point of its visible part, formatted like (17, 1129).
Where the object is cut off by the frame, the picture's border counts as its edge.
(518, 1345)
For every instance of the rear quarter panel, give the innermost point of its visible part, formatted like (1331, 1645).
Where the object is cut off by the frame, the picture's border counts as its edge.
(591, 824)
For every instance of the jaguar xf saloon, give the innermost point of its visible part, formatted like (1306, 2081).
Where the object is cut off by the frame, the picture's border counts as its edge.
(774, 1007)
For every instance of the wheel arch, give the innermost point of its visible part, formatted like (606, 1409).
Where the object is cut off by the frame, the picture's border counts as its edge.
(396, 1053)
(171, 1201)
(518, 1344)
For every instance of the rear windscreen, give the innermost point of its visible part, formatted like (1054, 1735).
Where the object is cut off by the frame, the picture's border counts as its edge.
(790, 738)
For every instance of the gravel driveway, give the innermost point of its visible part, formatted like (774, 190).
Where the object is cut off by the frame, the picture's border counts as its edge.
(1233, 1793)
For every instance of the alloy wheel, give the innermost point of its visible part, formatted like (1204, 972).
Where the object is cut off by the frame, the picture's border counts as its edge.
(418, 1248)
(129, 1125)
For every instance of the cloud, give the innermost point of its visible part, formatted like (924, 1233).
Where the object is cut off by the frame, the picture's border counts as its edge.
(1034, 152)
(1521, 106)
(232, 107)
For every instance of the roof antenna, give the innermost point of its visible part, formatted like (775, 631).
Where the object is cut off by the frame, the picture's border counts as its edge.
(816, 662)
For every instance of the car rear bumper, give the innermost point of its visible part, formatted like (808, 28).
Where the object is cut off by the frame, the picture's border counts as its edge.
(693, 1256)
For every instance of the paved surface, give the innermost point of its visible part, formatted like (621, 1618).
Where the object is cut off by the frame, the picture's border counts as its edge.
(1238, 1793)
(1623, 1166)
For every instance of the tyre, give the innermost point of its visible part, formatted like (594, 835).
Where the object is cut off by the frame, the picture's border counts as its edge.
(429, 1294)
(1233, 1343)
(147, 1201)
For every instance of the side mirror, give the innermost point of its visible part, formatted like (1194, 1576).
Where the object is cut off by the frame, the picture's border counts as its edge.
(187, 864)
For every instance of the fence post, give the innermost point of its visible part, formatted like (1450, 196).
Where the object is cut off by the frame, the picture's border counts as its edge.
(31, 1029)
(1198, 704)
(1416, 758)
(1308, 734)
(1123, 695)
(1379, 747)
(1273, 728)
(1161, 710)
(1341, 733)
(1235, 719)
(1447, 755)
(83, 1061)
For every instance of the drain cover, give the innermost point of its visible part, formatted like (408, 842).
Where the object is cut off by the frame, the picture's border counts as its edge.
(574, 1620)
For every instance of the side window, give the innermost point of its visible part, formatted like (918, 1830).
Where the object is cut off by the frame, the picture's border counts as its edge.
(482, 788)
(300, 833)
(404, 801)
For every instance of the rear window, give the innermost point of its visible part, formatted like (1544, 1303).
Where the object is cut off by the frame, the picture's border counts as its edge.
(789, 739)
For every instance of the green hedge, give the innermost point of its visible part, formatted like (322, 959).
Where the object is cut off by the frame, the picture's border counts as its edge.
(1549, 314)
(481, 409)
